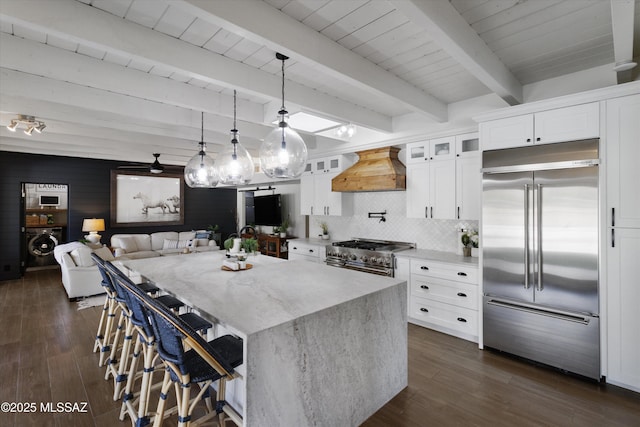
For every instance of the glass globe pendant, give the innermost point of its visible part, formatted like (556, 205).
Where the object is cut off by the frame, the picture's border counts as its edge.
(283, 153)
(235, 165)
(200, 171)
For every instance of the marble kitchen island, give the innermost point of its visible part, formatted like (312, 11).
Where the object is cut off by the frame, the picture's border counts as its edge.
(323, 346)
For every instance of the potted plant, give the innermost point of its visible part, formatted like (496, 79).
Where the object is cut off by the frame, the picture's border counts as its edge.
(214, 233)
(283, 227)
(469, 240)
(250, 245)
(325, 230)
(475, 242)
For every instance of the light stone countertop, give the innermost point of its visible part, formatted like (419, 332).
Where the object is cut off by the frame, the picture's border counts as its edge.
(432, 255)
(273, 292)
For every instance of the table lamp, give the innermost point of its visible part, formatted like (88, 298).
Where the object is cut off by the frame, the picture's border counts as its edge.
(93, 225)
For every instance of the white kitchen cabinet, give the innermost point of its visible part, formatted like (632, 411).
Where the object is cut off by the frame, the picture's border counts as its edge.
(623, 240)
(468, 177)
(431, 176)
(444, 297)
(623, 300)
(306, 251)
(557, 125)
(316, 197)
(622, 147)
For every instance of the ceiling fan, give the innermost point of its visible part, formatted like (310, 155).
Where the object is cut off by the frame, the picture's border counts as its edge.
(156, 167)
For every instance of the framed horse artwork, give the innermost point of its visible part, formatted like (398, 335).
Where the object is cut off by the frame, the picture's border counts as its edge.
(144, 199)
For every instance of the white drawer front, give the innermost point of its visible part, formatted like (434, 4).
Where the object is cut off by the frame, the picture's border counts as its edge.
(446, 315)
(306, 250)
(459, 273)
(455, 293)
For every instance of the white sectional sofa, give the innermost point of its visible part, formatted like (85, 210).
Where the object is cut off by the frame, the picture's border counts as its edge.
(135, 246)
(80, 275)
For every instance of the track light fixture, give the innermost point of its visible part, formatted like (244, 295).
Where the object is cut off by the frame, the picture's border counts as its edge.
(29, 122)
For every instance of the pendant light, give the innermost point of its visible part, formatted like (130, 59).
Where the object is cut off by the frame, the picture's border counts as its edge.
(235, 165)
(283, 153)
(200, 171)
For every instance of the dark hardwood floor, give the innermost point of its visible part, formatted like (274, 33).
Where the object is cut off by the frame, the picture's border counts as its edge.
(45, 356)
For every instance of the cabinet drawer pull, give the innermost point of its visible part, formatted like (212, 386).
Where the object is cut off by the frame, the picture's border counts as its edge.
(311, 250)
(295, 248)
(461, 273)
(424, 287)
(424, 267)
(528, 139)
(462, 294)
(462, 319)
(538, 139)
(424, 310)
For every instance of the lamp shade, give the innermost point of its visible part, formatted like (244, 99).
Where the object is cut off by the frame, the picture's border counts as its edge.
(235, 165)
(200, 171)
(93, 224)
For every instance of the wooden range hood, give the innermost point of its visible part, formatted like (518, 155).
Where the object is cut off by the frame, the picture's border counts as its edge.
(376, 170)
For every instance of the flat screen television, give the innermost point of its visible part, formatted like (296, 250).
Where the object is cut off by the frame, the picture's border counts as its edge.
(267, 210)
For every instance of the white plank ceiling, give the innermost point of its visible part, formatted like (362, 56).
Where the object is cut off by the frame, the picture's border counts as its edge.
(122, 79)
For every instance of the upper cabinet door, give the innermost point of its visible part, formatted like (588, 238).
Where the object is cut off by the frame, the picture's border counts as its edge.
(622, 145)
(506, 133)
(567, 124)
(468, 145)
(442, 148)
(417, 152)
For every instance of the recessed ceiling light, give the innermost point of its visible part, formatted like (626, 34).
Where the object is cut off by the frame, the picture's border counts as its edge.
(309, 123)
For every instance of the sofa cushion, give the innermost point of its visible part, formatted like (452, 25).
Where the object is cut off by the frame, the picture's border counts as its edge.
(140, 255)
(128, 243)
(157, 239)
(82, 257)
(186, 235)
(104, 253)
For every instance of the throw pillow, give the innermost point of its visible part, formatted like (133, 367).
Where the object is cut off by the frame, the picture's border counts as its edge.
(82, 257)
(104, 253)
(176, 244)
(129, 244)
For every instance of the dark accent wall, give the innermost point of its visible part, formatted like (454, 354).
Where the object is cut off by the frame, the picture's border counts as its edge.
(89, 182)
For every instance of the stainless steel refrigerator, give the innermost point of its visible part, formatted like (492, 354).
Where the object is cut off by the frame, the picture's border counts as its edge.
(540, 254)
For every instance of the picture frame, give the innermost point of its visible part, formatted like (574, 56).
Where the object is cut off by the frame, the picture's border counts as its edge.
(146, 199)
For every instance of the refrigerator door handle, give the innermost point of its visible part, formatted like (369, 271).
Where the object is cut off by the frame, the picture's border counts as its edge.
(538, 208)
(571, 317)
(526, 236)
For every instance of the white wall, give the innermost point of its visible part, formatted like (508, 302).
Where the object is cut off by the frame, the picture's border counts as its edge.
(432, 234)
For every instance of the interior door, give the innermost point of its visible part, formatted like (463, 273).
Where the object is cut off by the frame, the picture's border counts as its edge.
(506, 215)
(566, 258)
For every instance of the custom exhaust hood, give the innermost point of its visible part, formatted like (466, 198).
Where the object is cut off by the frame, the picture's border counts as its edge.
(378, 169)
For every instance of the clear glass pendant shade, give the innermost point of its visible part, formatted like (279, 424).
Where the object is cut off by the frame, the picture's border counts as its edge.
(200, 171)
(283, 154)
(235, 165)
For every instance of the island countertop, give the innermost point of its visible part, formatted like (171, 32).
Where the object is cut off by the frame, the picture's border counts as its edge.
(272, 292)
(323, 346)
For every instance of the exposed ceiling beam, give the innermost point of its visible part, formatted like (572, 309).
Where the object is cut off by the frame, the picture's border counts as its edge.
(75, 21)
(264, 24)
(60, 64)
(622, 17)
(452, 32)
(146, 114)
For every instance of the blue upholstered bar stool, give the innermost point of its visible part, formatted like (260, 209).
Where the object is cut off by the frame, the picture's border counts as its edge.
(203, 363)
(106, 327)
(136, 404)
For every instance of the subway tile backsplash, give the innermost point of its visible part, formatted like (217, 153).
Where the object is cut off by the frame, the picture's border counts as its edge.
(440, 235)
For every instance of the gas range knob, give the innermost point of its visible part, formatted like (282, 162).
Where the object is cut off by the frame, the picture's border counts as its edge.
(364, 258)
(353, 257)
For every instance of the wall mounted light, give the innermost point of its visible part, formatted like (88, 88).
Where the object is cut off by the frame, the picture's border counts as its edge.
(200, 171)
(29, 122)
(283, 153)
(235, 165)
(346, 130)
